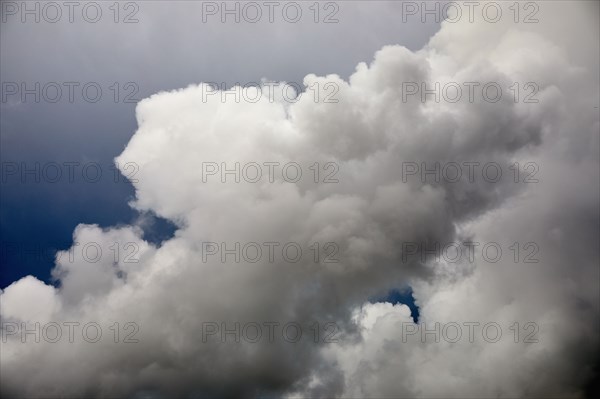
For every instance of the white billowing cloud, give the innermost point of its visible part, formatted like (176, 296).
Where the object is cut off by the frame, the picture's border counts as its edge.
(29, 300)
(172, 290)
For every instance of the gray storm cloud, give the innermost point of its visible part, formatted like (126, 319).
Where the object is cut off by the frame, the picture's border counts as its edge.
(367, 137)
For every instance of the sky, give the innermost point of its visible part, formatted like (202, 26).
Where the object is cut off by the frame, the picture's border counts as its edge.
(346, 199)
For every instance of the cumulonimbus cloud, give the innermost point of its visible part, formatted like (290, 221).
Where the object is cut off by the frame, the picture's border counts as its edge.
(368, 137)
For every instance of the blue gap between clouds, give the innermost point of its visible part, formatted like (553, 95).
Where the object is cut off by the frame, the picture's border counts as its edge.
(402, 296)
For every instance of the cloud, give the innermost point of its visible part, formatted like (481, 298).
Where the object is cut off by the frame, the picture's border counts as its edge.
(366, 138)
